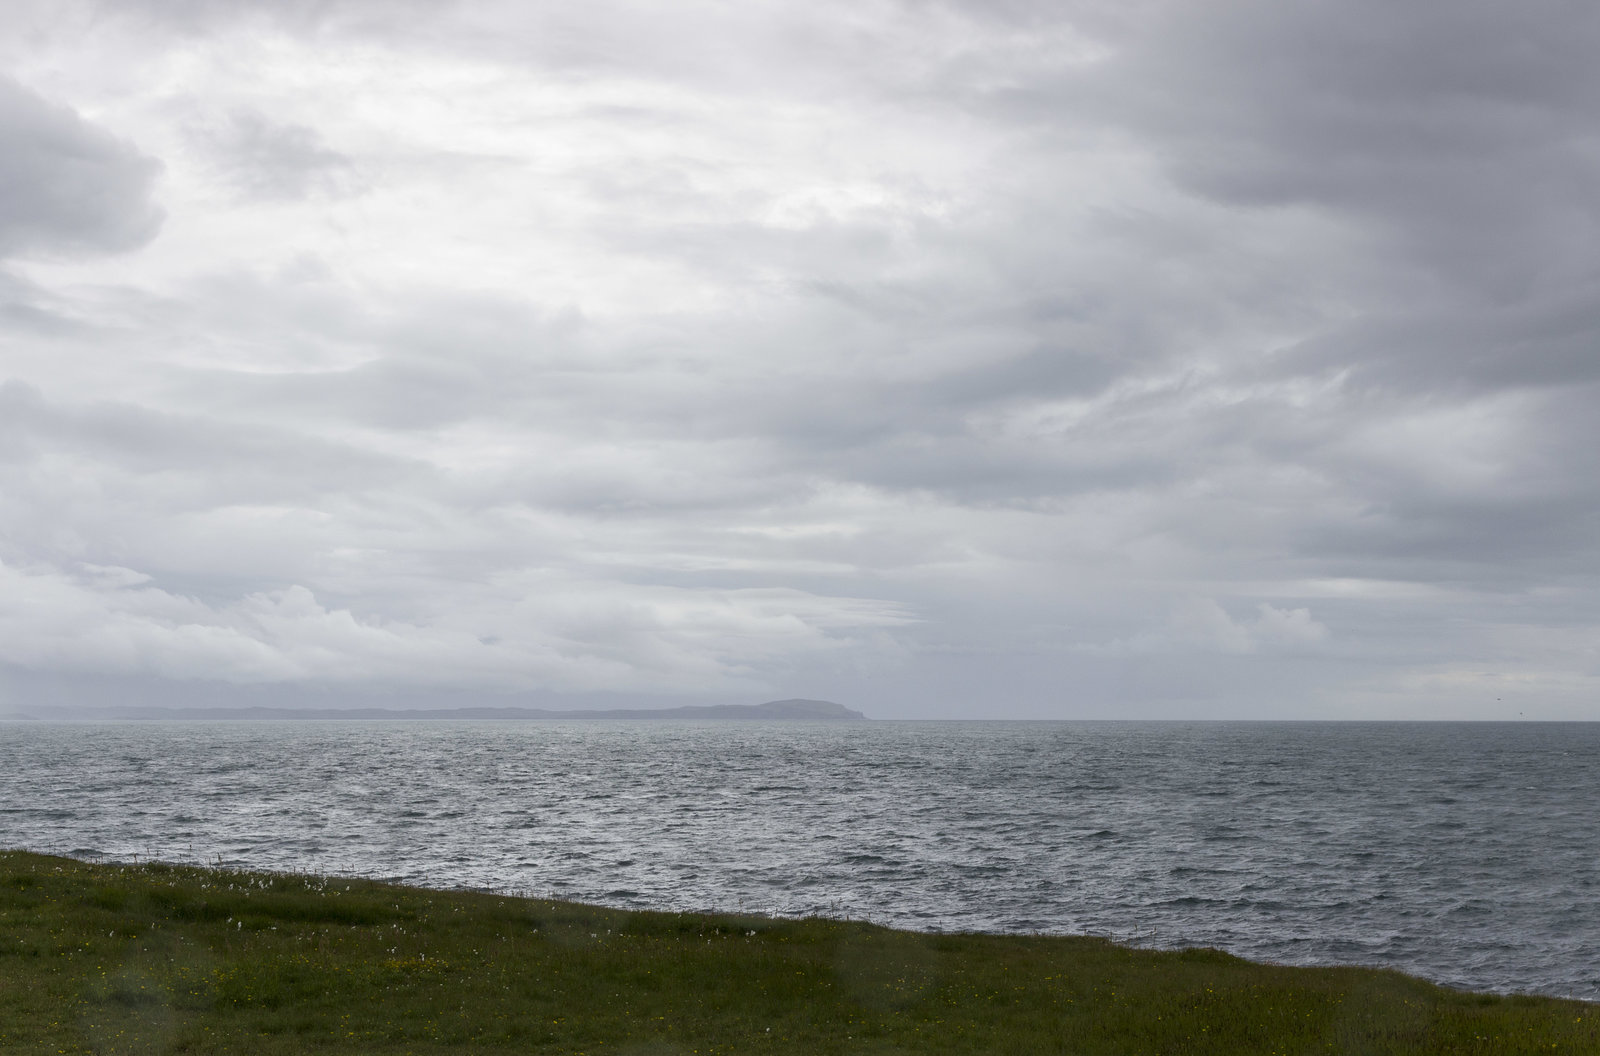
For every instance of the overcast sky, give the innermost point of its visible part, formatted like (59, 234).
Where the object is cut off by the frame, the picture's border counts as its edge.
(945, 359)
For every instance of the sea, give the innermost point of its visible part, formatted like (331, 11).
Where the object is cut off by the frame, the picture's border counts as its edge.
(1466, 853)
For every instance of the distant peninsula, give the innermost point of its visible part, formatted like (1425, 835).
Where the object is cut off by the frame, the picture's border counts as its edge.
(793, 710)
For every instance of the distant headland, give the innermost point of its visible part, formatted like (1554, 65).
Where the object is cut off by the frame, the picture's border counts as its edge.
(793, 710)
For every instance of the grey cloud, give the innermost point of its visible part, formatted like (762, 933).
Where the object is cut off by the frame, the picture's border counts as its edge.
(1497, 537)
(26, 308)
(200, 16)
(1460, 136)
(66, 186)
(228, 461)
(1452, 149)
(396, 391)
(274, 160)
(1201, 625)
(1450, 146)
(1465, 345)
(429, 361)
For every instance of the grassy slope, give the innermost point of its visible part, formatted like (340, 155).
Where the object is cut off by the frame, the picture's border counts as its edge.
(112, 959)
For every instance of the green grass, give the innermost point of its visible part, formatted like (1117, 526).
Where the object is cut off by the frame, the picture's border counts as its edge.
(160, 958)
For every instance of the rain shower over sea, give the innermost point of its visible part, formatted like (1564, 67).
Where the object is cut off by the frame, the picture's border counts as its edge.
(1468, 853)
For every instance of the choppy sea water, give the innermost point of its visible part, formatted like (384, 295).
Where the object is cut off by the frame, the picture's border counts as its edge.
(1468, 853)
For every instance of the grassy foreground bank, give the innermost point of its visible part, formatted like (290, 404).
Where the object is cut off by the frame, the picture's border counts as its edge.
(159, 958)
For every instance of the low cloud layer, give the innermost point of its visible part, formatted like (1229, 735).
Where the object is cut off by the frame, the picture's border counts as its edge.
(941, 359)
